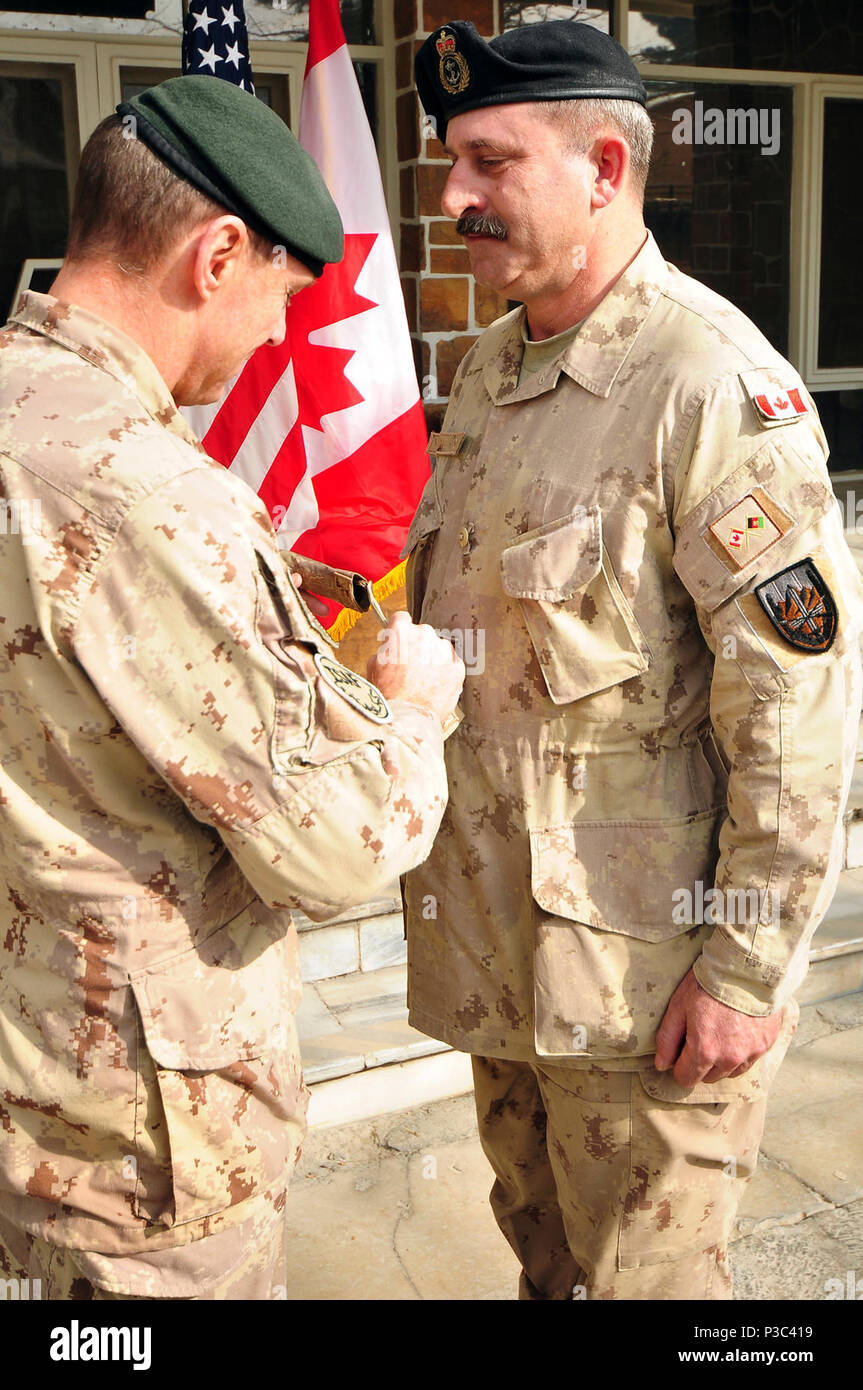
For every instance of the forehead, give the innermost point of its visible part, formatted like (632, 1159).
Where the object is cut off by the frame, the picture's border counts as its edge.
(517, 125)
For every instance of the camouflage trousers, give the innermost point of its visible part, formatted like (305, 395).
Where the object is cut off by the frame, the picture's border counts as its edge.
(606, 1190)
(247, 1261)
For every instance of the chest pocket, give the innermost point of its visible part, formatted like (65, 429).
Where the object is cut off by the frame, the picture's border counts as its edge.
(582, 629)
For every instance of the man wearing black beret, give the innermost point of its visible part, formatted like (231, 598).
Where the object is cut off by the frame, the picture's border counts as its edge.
(630, 502)
(183, 761)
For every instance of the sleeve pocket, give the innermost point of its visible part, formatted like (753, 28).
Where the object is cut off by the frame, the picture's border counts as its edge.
(582, 629)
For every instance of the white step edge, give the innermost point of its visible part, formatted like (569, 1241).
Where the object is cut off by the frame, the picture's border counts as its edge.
(383, 1090)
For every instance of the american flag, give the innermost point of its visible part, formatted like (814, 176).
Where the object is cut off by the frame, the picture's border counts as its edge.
(216, 41)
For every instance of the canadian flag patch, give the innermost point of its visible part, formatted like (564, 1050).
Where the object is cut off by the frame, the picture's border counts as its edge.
(775, 401)
(781, 405)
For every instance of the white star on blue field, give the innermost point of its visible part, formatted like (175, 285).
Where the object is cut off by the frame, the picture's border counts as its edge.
(216, 42)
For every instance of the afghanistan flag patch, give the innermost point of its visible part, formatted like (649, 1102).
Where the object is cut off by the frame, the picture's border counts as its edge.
(800, 606)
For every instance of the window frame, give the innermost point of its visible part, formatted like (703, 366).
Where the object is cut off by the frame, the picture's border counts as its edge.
(97, 60)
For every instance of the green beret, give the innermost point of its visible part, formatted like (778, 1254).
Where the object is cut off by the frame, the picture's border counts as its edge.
(241, 154)
(458, 71)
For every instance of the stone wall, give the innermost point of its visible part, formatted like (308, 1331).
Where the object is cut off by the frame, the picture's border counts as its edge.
(446, 310)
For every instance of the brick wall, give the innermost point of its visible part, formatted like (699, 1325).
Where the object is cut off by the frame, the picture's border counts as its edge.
(446, 310)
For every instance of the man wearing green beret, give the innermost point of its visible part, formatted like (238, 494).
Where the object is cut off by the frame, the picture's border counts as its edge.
(183, 761)
(630, 501)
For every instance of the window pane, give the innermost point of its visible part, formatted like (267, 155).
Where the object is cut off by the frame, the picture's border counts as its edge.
(840, 328)
(842, 417)
(786, 35)
(292, 16)
(719, 208)
(367, 77)
(517, 12)
(38, 151)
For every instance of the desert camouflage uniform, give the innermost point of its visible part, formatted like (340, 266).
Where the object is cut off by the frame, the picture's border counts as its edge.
(640, 728)
(179, 769)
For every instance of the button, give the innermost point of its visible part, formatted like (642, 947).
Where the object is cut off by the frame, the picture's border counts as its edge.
(465, 537)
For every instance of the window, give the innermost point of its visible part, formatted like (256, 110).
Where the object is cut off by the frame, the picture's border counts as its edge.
(514, 13)
(792, 36)
(718, 198)
(38, 159)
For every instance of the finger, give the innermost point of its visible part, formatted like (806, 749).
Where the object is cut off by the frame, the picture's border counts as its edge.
(689, 1069)
(669, 1037)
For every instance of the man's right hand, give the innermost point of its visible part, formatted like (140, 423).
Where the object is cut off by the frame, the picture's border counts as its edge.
(414, 664)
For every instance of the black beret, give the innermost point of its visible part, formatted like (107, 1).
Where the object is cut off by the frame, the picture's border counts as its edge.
(458, 71)
(241, 154)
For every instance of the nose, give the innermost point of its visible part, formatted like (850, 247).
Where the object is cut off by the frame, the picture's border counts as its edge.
(280, 328)
(458, 195)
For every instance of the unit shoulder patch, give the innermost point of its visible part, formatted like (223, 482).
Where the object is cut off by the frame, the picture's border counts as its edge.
(746, 529)
(800, 606)
(355, 689)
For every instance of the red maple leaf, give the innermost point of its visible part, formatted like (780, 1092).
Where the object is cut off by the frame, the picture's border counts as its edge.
(319, 372)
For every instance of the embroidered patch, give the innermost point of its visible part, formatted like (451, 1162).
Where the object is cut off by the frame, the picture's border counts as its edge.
(800, 606)
(358, 692)
(444, 443)
(747, 529)
(453, 71)
(775, 406)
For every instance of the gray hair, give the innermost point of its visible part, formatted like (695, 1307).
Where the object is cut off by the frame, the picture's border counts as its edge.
(581, 118)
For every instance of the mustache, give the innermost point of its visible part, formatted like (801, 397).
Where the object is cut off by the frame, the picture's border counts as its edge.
(480, 224)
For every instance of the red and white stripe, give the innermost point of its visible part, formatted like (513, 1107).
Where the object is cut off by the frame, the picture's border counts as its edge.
(334, 441)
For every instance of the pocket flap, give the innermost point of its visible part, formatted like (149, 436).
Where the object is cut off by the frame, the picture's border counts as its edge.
(619, 876)
(556, 560)
(220, 1002)
(427, 518)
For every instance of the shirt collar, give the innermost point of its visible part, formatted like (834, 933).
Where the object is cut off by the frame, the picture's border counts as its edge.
(600, 348)
(107, 347)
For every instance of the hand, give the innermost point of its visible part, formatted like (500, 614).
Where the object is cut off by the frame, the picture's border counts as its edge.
(413, 663)
(716, 1041)
(314, 605)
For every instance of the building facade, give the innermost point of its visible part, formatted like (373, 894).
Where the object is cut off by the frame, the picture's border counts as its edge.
(758, 107)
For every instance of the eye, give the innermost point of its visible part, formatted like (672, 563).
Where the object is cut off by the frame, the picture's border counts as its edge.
(490, 163)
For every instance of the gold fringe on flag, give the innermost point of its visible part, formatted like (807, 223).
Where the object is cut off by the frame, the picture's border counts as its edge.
(382, 589)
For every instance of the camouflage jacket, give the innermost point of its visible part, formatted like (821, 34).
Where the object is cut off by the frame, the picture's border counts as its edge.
(182, 763)
(656, 751)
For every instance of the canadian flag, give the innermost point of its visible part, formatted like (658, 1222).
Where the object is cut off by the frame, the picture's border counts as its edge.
(328, 427)
(782, 405)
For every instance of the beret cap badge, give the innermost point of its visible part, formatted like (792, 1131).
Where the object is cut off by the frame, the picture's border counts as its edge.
(453, 71)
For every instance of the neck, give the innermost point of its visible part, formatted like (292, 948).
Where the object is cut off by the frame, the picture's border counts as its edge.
(550, 314)
(140, 307)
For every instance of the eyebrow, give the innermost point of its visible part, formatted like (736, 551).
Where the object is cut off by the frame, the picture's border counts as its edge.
(483, 144)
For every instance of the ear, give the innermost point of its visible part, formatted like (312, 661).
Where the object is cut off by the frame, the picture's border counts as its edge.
(219, 250)
(611, 160)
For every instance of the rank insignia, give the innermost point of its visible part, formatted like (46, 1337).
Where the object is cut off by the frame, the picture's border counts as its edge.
(453, 71)
(358, 692)
(800, 606)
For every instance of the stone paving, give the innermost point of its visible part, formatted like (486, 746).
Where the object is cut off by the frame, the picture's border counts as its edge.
(397, 1207)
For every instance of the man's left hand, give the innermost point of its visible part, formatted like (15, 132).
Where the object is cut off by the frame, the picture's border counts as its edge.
(704, 1040)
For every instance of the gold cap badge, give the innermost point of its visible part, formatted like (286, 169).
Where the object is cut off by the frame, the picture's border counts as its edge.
(453, 71)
